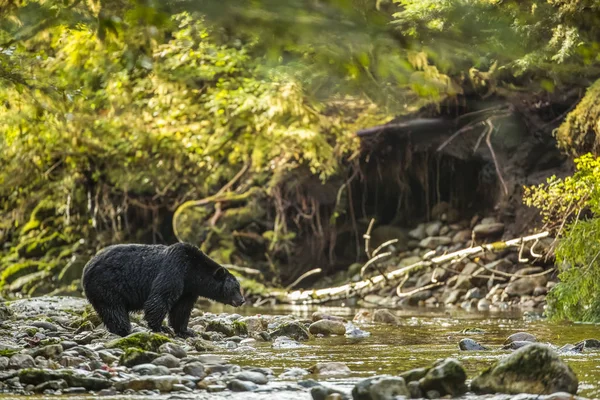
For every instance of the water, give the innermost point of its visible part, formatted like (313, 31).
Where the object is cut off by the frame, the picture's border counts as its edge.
(424, 336)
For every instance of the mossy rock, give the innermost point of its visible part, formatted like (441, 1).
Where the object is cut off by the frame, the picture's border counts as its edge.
(140, 340)
(294, 330)
(221, 326)
(535, 368)
(240, 328)
(134, 356)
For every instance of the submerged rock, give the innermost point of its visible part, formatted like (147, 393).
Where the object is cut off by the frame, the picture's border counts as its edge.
(470, 345)
(535, 368)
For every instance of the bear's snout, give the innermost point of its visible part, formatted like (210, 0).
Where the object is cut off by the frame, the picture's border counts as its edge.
(240, 300)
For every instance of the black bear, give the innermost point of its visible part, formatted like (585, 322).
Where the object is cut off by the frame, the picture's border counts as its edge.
(158, 279)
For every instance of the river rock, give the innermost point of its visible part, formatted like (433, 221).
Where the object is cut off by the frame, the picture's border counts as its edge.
(160, 383)
(320, 392)
(327, 327)
(253, 324)
(141, 340)
(330, 368)
(51, 351)
(173, 349)
(418, 233)
(433, 228)
(167, 360)
(487, 229)
(454, 295)
(236, 385)
(33, 376)
(433, 242)
(294, 330)
(414, 374)
(221, 326)
(252, 376)
(21, 361)
(202, 345)
(194, 369)
(150, 369)
(132, 357)
(380, 388)
(462, 236)
(535, 368)
(447, 377)
(317, 316)
(468, 344)
(590, 343)
(515, 345)
(520, 337)
(385, 316)
(524, 286)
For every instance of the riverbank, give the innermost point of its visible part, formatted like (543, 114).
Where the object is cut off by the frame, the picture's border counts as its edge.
(50, 346)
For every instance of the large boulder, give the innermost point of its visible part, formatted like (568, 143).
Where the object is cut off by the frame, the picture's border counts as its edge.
(380, 388)
(447, 377)
(535, 368)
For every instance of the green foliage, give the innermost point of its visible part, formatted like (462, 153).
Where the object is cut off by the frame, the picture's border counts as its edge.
(577, 295)
(580, 132)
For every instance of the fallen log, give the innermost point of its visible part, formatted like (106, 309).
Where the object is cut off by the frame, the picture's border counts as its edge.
(367, 286)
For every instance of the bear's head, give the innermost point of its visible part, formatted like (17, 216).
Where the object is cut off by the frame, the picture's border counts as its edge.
(230, 291)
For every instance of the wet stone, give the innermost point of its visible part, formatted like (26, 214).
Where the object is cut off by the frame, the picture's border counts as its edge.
(520, 337)
(167, 360)
(172, 349)
(237, 385)
(251, 376)
(468, 344)
(194, 369)
(330, 368)
(327, 327)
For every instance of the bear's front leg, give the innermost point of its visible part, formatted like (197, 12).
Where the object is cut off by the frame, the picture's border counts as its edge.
(179, 316)
(162, 298)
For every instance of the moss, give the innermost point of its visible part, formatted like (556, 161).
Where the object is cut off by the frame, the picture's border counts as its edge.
(32, 330)
(580, 132)
(240, 328)
(18, 270)
(8, 352)
(141, 340)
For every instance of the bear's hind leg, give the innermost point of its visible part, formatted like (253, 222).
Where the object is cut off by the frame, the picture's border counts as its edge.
(179, 316)
(115, 319)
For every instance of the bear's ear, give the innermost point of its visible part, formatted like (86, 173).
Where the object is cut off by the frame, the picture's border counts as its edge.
(220, 273)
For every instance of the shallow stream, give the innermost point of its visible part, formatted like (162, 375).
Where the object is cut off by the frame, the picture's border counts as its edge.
(423, 337)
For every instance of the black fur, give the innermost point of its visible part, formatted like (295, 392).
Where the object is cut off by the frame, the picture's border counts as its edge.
(158, 279)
